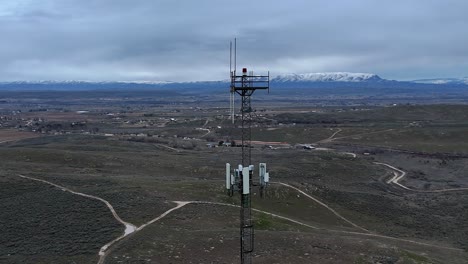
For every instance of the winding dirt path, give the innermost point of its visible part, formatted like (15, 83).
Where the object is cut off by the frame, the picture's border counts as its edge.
(105, 250)
(399, 174)
(129, 228)
(208, 131)
(179, 205)
(324, 205)
(330, 138)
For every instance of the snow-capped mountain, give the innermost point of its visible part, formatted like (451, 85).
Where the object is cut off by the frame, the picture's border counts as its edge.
(327, 77)
(329, 81)
(444, 81)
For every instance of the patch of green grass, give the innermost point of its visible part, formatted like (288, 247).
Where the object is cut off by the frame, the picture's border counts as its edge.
(263, 222)
(415, 258)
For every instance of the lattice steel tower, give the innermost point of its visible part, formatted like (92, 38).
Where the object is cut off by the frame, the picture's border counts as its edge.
(245, 85)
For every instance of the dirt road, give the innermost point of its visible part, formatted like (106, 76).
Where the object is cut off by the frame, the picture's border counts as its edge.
(399, 174)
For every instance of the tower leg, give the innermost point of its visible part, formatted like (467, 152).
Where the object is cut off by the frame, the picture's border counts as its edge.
(247, 230)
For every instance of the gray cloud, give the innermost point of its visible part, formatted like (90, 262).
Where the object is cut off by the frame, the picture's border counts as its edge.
(189, 40)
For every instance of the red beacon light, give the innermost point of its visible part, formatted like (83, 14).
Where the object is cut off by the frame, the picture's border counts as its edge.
(244, 71)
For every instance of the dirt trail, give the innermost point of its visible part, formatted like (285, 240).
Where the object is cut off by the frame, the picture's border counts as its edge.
(170, 148)
(179, 205)
(104, 252)
(399, 174)
(256, 210)
(206, 122)
(129, 228)
(208, 131)
(361, 134)
(367, 232)
(330, 138)
(324, 205)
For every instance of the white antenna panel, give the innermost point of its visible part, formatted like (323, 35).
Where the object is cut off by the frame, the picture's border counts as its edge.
(261, 169)
(228, 176)
(261, 172)
(245, 181)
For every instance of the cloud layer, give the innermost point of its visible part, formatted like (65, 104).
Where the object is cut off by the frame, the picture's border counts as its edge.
(188, 40)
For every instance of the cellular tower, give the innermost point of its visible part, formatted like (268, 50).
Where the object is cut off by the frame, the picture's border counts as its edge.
(240, 179)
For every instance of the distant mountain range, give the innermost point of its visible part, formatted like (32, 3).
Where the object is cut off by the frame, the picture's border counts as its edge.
(338, 83)
(327, 77)
(444, 81)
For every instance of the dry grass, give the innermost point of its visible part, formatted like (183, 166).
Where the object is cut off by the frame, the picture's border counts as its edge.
(7, 135)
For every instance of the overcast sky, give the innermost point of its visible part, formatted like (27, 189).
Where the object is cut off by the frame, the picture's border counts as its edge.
(188, 40)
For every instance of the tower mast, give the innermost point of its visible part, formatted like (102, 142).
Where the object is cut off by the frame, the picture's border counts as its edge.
(245, 85)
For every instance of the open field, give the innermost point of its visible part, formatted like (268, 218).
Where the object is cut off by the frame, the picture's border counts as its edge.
(42, 224)
(183, 237)
(7, 135)
(332, 203)
(432, 129)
